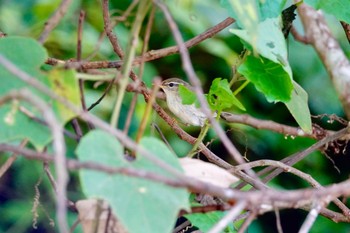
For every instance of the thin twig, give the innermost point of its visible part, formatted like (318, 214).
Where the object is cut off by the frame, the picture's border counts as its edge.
(150, 55)
(311, 218)
(108, 29)
(252, 215)
(278, 221)
(298, 37)
(229, 217)
(265, 124)
(105, 92)
(79, 56)
(4, 167)
(54, 20)
(295, 172)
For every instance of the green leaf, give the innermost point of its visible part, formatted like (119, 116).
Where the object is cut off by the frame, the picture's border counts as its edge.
(249, 14)
(140, 205)
(220, 96)
(270, 42)
(268, 77)
(338, 8)
(64, 83)
(16, 126)
(298, 107)
(246, 13)
(188, 97)
(28, 55)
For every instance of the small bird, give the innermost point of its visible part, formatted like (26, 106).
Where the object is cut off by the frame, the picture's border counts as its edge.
(188, 114)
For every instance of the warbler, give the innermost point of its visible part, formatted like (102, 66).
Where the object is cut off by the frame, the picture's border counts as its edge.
(187, 113)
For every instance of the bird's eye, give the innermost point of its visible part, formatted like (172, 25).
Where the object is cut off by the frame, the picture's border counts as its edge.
(171, 84)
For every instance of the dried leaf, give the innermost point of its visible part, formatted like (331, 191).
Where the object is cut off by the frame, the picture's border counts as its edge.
(207, 172)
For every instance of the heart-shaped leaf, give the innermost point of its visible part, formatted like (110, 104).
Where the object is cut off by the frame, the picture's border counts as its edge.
(268, 77)
(141, 205)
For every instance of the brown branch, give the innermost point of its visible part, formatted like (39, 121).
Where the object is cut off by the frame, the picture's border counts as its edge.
(327, 47)
(108, 29)
(254, 198)
(54, 20)
(293, 159)
(5, 166)
(252, 215)
(298, 37)
(75, 123)
(286, 168)
(156, 54)
(149, 56)
(269, 125)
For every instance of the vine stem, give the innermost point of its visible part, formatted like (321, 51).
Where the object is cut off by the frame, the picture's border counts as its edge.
(201, 136)
(199, 140)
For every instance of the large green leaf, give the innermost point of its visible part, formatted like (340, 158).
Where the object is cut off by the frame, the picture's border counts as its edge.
(28, 55)
(270, 42)
(268, 77)
(338, 8)
(140, 205)
(298, 107)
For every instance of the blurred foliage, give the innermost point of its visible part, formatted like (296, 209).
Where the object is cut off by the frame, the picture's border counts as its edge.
(213, 58)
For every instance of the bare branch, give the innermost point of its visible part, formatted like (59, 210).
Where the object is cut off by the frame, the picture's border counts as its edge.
(311, 218)
(54, 20)
(229, 217)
